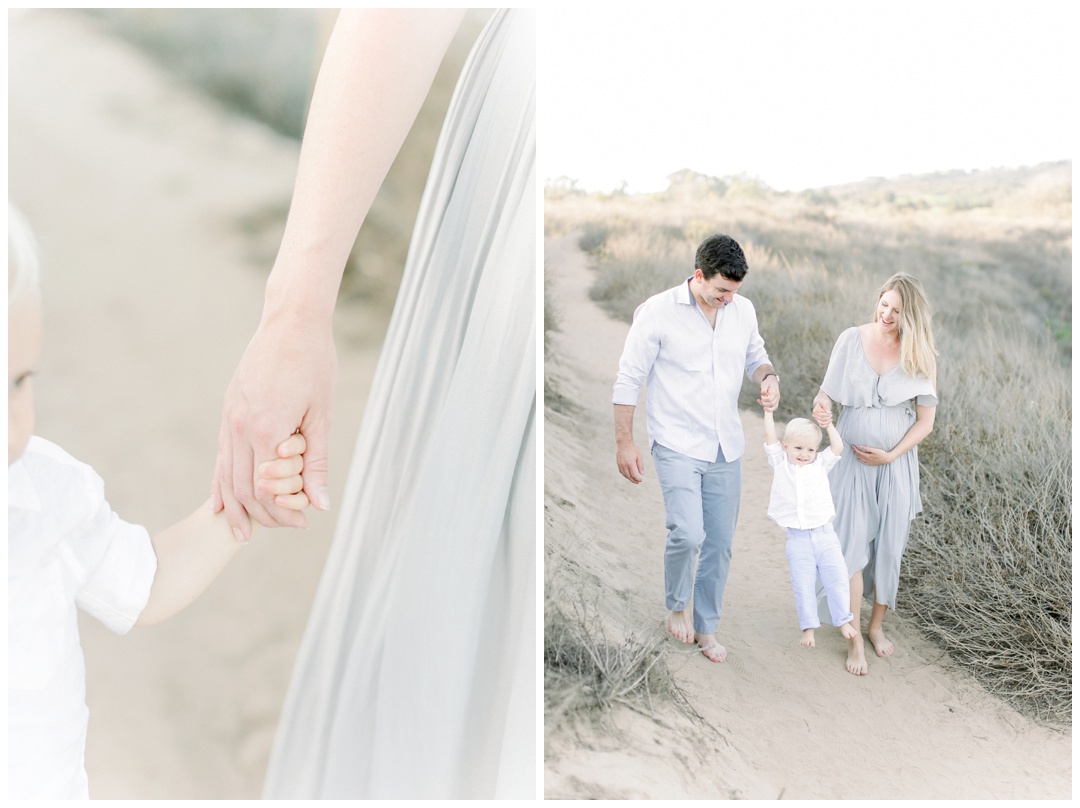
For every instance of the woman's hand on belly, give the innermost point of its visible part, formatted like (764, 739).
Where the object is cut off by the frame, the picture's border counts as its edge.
(869, 456)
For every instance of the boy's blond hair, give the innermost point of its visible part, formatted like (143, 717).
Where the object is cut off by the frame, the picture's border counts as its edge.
(802, 428)
(24, 263)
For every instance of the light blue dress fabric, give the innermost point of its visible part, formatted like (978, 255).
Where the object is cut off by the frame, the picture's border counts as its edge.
(416, 675)
(874, 504)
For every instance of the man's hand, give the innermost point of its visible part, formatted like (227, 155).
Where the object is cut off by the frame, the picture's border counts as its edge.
(770, 394)
(626, 455)
(630, 464)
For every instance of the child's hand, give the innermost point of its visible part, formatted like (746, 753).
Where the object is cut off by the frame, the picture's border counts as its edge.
(281, 477)
(822, 413)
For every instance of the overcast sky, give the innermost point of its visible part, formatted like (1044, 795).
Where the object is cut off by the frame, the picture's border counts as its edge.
(804, 94)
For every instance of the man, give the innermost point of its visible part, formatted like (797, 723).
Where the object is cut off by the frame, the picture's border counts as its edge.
(691, 345)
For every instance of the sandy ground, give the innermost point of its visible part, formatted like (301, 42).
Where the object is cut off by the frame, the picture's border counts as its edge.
(779, 720)
(139, 191)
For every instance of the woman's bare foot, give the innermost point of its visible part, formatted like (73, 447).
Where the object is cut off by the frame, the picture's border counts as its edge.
(807, 637)
(882, 646)
(680, 626)
(712, 650)
(856, 656)
(848, 630)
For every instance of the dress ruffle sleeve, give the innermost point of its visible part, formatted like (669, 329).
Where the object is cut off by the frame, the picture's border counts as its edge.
(850, 381)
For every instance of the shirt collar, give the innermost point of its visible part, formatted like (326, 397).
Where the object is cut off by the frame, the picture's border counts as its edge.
(684, 295)
(21, 491)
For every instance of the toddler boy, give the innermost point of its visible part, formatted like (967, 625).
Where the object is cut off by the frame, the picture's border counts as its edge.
(801, 502)
(66, 548)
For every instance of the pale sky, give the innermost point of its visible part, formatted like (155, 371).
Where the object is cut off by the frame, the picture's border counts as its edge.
(804, 94)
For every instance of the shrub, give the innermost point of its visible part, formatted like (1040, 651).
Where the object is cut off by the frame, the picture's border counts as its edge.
(593, 237)
(987, 572)
(585, 673)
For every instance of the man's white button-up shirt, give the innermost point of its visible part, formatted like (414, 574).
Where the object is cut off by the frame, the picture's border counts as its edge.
(692, 371)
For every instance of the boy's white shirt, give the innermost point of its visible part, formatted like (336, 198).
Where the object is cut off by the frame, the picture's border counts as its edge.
(66, 548)
(800, 495)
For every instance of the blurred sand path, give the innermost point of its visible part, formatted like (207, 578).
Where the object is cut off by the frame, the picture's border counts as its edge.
(780, 720)
(138, 190)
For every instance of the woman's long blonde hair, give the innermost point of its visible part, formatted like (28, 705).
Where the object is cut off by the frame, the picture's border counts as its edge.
(917, 350)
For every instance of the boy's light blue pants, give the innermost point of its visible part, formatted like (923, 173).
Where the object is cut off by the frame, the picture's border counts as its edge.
(811, 553)
(701, 506)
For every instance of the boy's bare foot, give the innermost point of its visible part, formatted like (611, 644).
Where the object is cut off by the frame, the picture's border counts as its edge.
(848, 630)
(712, 650)
(856, 657)
(807, 637)
(882, 646)
(680, 627)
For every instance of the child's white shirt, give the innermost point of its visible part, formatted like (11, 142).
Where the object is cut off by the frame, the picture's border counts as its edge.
(65, 548)
(800, 495)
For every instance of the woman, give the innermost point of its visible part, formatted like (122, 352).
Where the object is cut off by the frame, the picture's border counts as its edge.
(885, 375)
(416, 674)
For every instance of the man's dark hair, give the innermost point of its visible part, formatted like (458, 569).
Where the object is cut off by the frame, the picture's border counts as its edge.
(721, 254)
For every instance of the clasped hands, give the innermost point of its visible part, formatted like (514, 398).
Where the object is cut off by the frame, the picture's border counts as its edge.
(280, 478)
(770, 394)
(283, 386)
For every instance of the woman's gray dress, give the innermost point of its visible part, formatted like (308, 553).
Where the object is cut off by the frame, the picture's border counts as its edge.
(416, 675)
(874, 504)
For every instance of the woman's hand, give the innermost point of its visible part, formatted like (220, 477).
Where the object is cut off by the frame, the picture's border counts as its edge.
(870, 456)
(375, 74)
(283, 384)
(923, 426)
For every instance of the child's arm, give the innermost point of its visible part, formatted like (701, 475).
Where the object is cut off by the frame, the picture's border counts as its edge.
(770, 429)
(836, 443)
(193, 552)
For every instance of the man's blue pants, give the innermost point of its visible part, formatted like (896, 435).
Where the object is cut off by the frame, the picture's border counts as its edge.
(701, 505)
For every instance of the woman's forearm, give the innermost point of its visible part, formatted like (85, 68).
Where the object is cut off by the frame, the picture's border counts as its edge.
(377, 70)
(923, 426)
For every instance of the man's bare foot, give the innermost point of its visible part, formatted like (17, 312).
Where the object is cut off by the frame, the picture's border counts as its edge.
(848, 630)
(882, 646)
(856, 657)
(680, 626)
(712, 650)
(807, 637)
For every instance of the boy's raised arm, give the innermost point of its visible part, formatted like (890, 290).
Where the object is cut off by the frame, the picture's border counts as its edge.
(836, 443)
(770, 429)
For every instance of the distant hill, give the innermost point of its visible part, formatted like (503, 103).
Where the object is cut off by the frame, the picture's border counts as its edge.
(1048, 184)
(1044, 189)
